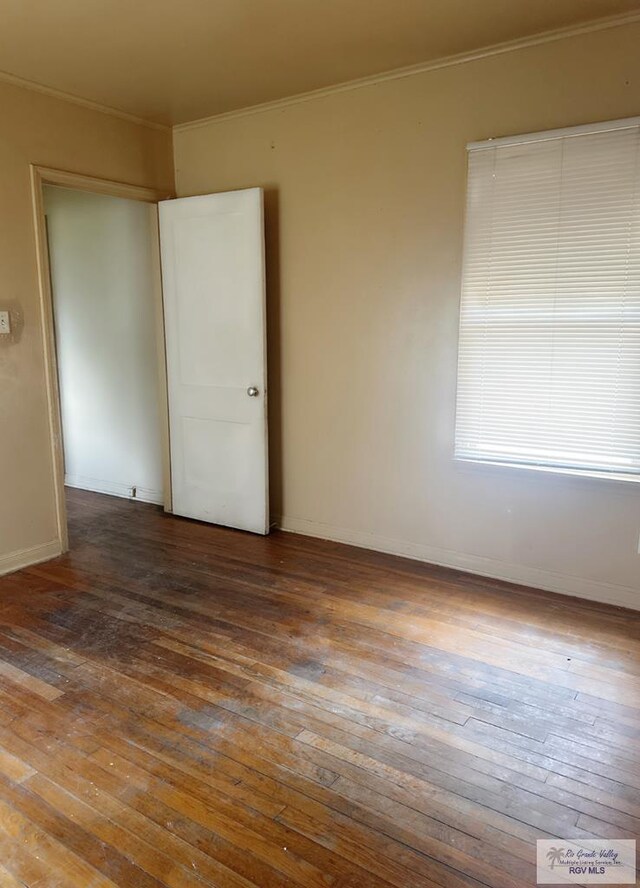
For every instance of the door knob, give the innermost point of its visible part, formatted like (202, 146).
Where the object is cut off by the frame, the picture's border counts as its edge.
(252, 391)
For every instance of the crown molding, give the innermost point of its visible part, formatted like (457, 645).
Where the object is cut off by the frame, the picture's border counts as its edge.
(601, 24)
(32, 86)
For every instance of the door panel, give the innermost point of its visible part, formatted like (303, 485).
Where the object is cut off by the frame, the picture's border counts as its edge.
(214, 296)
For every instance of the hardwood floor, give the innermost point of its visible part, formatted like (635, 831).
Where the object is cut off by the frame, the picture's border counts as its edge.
(183, 705)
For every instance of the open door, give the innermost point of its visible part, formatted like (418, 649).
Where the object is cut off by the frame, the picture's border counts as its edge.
(212, 250)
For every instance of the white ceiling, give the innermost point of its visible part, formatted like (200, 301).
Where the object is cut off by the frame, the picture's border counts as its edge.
(171, 61)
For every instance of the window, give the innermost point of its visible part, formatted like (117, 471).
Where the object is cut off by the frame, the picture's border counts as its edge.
(549, 354)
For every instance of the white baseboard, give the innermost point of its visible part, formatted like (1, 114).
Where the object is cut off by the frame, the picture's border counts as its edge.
(27, 557)
(113, 488)
(564, 584)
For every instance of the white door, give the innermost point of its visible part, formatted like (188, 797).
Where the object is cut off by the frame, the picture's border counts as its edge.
(212, 251)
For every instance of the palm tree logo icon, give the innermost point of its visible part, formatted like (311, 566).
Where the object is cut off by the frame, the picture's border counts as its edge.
(554, 855)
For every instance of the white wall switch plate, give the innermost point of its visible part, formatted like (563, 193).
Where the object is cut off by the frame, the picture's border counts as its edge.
(5, 323)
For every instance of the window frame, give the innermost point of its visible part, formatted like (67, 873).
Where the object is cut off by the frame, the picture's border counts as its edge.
(536, 466)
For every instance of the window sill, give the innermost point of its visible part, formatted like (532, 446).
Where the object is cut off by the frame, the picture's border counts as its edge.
(617, 477)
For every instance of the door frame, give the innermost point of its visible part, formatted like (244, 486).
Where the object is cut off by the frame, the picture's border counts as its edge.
(41, 176)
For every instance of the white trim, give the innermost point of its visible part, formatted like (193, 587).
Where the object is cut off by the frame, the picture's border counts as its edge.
(593, 474)
(463, 58)
(550, 581)
(26, 557)
(22, 83)
(114, 488)
(148, 495)
(586, 129)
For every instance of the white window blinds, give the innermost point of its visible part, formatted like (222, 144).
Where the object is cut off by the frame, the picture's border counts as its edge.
(549, 354)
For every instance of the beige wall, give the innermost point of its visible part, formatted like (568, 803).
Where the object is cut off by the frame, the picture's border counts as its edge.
(365, 193)
(38, 129)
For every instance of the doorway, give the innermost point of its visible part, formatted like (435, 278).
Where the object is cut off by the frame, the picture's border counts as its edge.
(41, 178)
(210, 391)
(101, 259)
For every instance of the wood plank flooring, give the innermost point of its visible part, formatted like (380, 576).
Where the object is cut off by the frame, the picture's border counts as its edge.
(183, 705)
